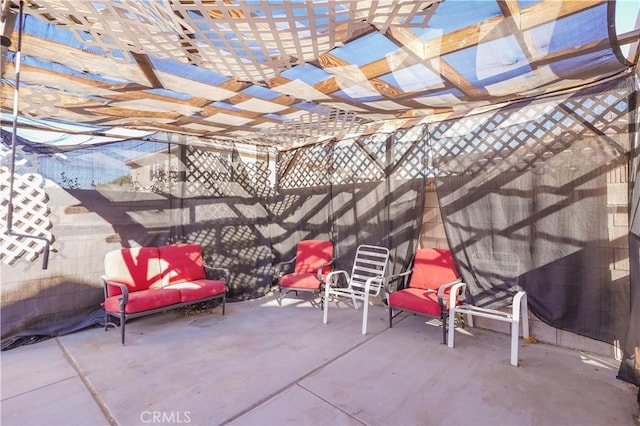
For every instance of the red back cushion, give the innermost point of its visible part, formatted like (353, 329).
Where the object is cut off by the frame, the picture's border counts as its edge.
(181, 262)
(137, 267)
(312, 254)
(432, 268)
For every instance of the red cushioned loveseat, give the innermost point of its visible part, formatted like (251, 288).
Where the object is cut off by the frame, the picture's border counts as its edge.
(144, 280)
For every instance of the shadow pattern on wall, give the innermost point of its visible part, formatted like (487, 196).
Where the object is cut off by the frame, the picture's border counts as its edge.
(534, 197)
(251, 215)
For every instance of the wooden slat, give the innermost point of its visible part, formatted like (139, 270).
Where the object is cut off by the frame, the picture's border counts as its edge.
(133, 113)
(147, 69)
(461, 39)
(405, 37)
(80, 60)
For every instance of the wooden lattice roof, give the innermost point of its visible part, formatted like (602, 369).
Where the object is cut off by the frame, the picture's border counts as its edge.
(284, 73)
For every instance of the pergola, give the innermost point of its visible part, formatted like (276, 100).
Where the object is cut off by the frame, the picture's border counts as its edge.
(506, 131)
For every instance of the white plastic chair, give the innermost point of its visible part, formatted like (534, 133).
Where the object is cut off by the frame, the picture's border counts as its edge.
(518, 314)
(366, 280)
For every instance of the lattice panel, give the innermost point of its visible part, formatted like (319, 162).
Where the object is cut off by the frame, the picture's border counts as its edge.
(252, 41)
(606, 112)
(30, 216)
(361, 160)
(324, 121)
(243, 178)
(258, 174)
(409, 148)
(305, 168)
(114, 27)
(39, 103)
(208, 174)
(517, 140)
(289, 73)
(593, 151)
(285, 161)
(24, 162)
(358, 161)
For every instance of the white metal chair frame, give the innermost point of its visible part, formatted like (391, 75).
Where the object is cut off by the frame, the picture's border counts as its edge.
(519, 308)
(366, 279)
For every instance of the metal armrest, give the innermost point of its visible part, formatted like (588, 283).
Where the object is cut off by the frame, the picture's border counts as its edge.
(332, 274)
(457, 289)
(389, 287)
(321, 267)
(370, 283)
(123, 289)
(445, 287)
(278, 266)
(225, 271)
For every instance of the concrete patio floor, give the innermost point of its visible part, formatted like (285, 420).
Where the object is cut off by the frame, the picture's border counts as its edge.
(262, 364)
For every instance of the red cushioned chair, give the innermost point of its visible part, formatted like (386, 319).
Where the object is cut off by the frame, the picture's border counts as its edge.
(313, 262)
(431, 277)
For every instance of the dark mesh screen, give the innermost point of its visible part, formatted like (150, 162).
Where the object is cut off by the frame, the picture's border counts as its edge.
(528, 198)
(525, 195)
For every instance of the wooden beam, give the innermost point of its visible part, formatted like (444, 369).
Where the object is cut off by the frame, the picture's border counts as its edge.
(530, 17)
(147, 69)
(404, 37)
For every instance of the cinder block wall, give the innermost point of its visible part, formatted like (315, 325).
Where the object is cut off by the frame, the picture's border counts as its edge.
(433, 235)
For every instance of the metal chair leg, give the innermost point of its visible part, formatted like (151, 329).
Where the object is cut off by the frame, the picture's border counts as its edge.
(443, 318)
(122, 323)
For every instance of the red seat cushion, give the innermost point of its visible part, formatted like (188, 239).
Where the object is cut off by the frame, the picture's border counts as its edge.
(432, 268)
(180, 263)
(311, 254)
(137, 267)
(417, 300)
(300, 280)
(144, 300)
(199, 289)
